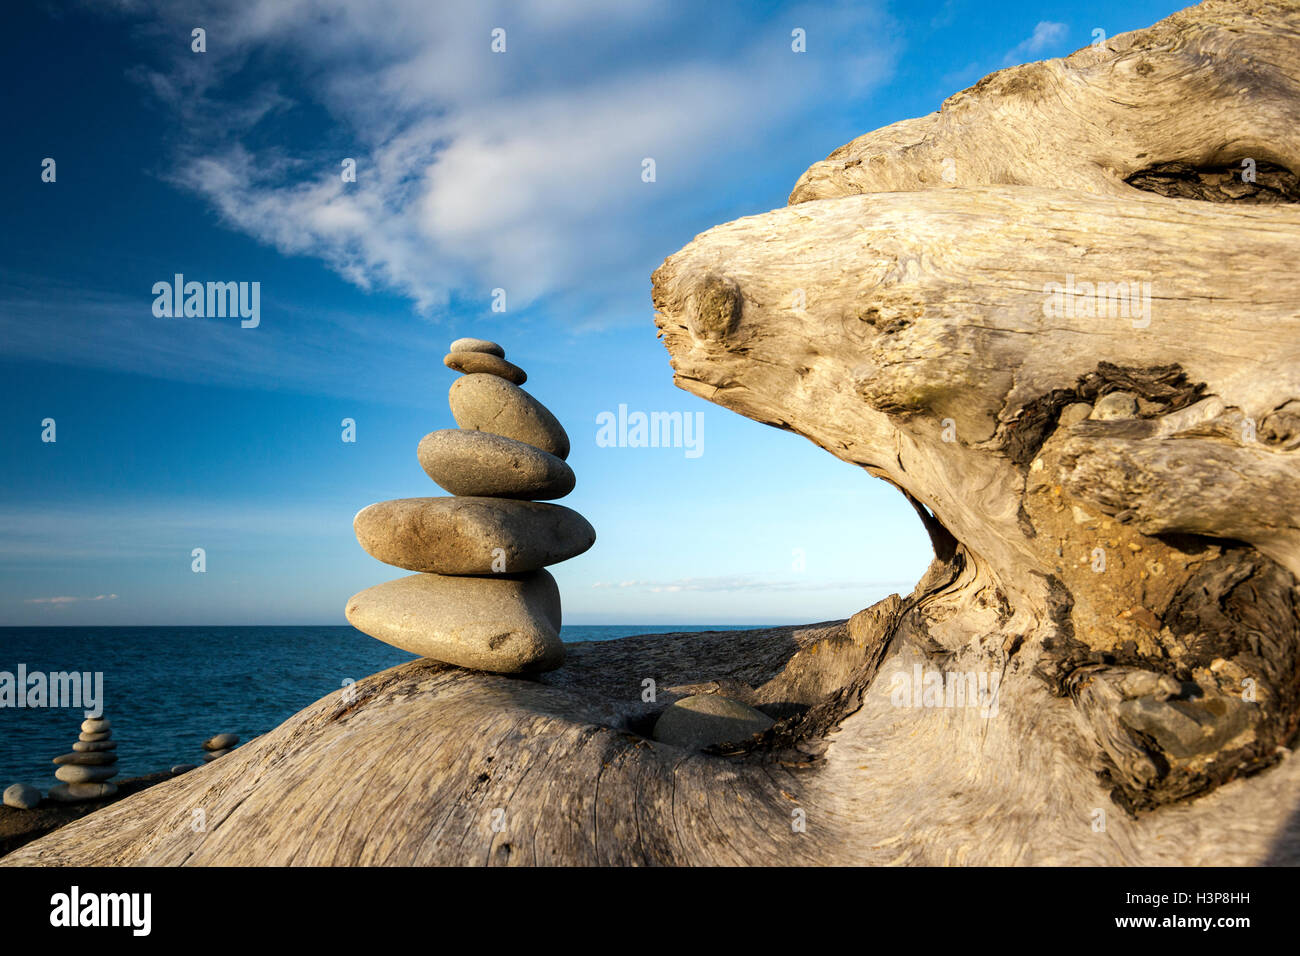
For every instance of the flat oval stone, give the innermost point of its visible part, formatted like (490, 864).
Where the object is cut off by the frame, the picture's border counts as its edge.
(221, 742)
(706, 720)
(90, 746)
(471, 535)
(21, 796)
(95, 725)
(181, 768)
(480, 464)
(212, 755)
(477, 345)
(94, 759)
(481, 362)
(485, 403)
(92, 738)
(508, 624)
(71, 773)
(74, 792)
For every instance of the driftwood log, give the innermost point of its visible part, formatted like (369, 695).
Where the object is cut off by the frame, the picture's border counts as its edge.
(1062, 316)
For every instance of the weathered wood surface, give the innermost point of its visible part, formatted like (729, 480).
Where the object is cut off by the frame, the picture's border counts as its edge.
(1128, 582)
(1202, 89)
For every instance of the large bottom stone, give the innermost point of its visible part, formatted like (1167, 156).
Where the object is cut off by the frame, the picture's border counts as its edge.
(73, 792)
(507, 623)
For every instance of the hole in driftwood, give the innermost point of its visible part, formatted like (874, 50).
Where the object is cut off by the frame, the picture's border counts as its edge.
(1244, 180)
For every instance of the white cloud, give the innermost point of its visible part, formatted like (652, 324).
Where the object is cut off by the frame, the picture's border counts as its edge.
(1046, 34)
(71, 600)
(478, 170)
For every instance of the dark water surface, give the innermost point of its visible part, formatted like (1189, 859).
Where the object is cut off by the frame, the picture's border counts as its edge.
(166, 689)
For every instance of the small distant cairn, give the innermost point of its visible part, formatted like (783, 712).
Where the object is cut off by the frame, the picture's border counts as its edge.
(482, 599)
(218, 746)
(84, 773)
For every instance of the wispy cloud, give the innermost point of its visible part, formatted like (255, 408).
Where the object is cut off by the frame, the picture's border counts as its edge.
(476, 170)
(70, 600)
(1046, 35)
(150, 531)
(750, 582)
(289, 351)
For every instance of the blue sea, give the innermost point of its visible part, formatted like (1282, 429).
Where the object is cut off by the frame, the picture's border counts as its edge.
(167, 689)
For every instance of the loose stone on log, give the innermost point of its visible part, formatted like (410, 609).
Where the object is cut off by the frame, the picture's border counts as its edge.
(471, 535)
(482, 362)
(707, 720)
(480, 464)
(507, 623)
(490, 404)
(21, 796)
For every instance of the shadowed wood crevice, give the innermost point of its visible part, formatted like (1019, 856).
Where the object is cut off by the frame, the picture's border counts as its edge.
(1243, 181)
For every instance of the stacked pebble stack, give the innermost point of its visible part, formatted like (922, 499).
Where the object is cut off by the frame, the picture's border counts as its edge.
(218, 746)
(84, 773)
(482, 598)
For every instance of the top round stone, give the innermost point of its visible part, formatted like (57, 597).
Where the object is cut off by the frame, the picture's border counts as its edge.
(477, 345)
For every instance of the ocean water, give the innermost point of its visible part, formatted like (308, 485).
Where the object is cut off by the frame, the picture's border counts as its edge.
(167, 689)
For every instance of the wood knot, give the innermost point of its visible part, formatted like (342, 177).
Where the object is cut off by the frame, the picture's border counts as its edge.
(716, 308)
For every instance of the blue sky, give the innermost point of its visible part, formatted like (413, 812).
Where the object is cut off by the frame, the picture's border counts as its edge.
(475, 171)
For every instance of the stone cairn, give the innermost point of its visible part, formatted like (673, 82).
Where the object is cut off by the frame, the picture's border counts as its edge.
(218, 746)
(84, 773)
(482, 598)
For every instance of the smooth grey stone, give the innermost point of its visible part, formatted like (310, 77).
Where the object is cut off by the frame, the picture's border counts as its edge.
(90, 746)
(94, 759)
(95, 725)
(72, 773)
(1073, 414)
(486, 403)
(21, 796)
(1115, 405)
(706, 720)
(76, 792)
(477, 345)
(483, 465)
(181, 768)
(471, 363)
(212, 755)
(93, 738)
(504, 623)
(472, 535)
(221, 742)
